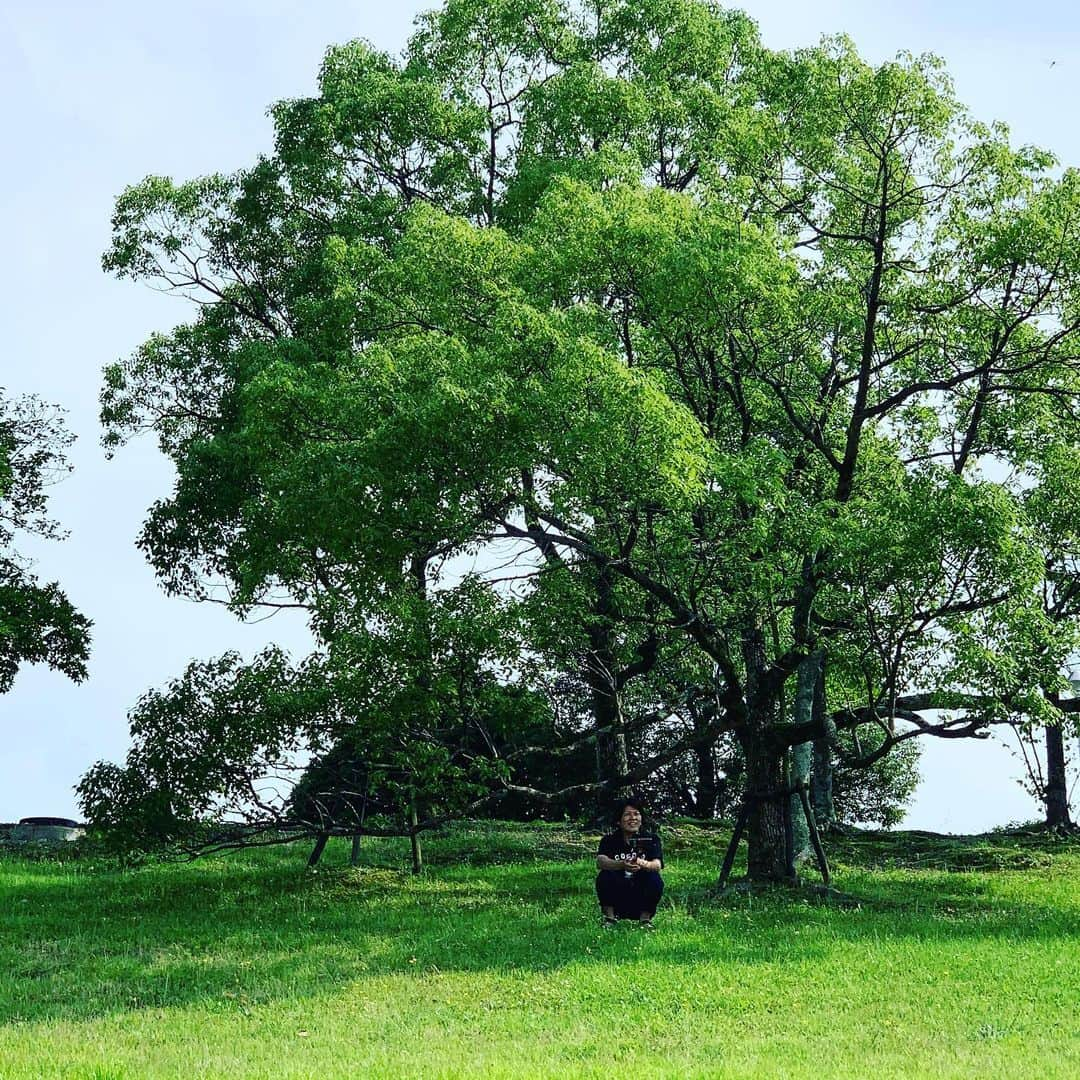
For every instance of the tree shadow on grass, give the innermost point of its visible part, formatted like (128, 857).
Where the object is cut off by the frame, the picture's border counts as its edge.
(251, 929)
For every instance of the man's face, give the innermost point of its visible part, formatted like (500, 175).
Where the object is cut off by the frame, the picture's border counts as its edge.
(630, 820)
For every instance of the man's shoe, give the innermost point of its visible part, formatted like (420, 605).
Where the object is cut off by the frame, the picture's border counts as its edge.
(646, 924)
(609, 923)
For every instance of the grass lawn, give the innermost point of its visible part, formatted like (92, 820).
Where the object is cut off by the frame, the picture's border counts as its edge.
(963, 959)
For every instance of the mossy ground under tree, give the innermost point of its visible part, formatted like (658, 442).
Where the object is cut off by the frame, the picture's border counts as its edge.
(961, 961)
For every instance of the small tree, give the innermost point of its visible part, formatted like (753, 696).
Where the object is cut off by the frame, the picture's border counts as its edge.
(38, 624)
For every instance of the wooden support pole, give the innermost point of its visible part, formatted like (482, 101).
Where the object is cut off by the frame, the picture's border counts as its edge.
(815, 836)
(736, 836)
(414, 836)
(316, 854)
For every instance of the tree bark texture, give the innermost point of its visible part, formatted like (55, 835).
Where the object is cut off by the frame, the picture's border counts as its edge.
(1056, 796)
(821, 784)
(810, 671)
(766, 855)
(600, 676)
(821, 770)
(316, 852)
(765, 834)
(706, 794)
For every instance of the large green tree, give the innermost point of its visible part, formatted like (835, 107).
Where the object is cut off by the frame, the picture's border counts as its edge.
(730, 342)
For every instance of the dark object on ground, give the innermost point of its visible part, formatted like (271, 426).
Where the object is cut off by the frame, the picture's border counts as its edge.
(632, 896)
(46, 830)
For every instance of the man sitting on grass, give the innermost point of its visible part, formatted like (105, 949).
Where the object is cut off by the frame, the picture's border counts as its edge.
(629, 885)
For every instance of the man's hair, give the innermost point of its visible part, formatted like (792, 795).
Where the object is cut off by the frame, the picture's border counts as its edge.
(622, 804)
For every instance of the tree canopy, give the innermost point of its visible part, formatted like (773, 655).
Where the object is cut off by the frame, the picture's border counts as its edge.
(599, 338)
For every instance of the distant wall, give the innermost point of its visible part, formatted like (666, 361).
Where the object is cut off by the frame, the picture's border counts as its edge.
(27, 832)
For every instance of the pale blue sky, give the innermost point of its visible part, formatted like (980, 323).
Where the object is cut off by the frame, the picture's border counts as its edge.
(95, 96)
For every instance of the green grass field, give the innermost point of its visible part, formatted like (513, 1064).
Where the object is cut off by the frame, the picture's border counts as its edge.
(962, 959)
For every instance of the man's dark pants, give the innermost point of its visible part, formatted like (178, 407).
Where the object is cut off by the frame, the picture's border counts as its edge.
(631, 897)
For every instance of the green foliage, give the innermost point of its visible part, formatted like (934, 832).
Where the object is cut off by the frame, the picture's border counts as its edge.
(754, 352)
(38, 624)
(228, 741)
(880, 793)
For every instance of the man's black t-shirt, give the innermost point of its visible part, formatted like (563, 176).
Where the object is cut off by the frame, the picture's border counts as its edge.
(615, 846)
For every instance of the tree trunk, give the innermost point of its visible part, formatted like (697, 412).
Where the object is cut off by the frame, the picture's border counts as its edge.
(316, 852)
(600, 675)
(611, 759)
(706, 794)
(821, 784)
(810, 671)
(766, 857)
(821, 772)
(1056, 793)
(706, 790)
(799, 773)
(424, 676)
(414, 837)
